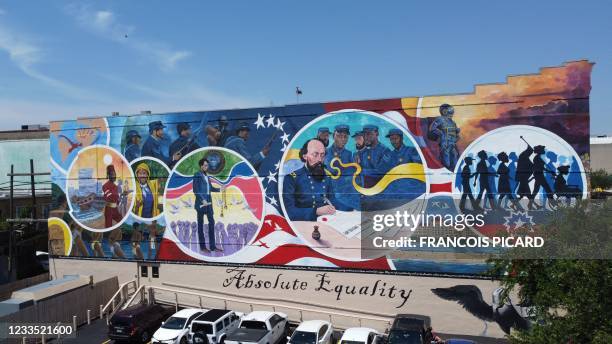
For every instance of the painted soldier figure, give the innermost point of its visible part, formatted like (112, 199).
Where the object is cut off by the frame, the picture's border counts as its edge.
(153, 145)
(343, 186)
(238, 144)
(337, 149)
(323, 136)
(401, 154)
(445, 131)
(185, 143)
(308, 192)
(359, 145)
(132, 146)
(371, 158)
(111, 198)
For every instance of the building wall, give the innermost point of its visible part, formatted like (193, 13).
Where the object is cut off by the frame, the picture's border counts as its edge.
(446, 316)
(600, 155)
(263, 210)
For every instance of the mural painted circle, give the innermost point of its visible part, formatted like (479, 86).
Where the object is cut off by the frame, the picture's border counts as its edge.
(514, 174)
(100, 188)
(212, 214)
(361, 163)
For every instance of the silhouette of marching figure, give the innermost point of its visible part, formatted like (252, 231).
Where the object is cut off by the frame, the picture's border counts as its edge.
(482, 174)
(503, 184)
(466, 174)
(512, 172)
(524, 170)
(561, 187)
(539, 167)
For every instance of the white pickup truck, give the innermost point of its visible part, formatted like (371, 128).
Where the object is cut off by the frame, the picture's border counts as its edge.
(259, 327)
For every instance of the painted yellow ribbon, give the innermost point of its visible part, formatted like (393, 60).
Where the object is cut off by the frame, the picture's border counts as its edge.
(403, 171)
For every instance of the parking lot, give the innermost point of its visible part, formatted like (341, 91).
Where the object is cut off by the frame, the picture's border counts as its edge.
(97, 333)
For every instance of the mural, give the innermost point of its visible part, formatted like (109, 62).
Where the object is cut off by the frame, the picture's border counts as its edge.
(288, 185)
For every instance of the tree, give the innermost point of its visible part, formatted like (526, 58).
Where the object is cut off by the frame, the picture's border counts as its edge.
(570, 296)
(601, 179)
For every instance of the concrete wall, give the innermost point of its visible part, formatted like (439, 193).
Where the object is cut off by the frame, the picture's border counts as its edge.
(601, 157)
(447, 316)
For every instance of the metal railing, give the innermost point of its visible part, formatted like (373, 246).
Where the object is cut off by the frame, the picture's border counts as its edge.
(118, 299)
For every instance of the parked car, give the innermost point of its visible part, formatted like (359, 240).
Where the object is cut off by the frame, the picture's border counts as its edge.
(459, 341)
(360, 335)
(312, 332)
(408, 329)
(259, 327)
(175, 330)
(136, 323)
(212, 326)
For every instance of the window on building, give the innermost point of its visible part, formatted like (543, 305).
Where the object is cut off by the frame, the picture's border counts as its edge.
(144, 271)
(155, 271)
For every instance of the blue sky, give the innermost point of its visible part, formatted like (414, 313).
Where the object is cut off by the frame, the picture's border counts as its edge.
(59, 60)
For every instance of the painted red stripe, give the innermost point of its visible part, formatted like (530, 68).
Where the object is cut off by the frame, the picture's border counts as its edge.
(445, 187)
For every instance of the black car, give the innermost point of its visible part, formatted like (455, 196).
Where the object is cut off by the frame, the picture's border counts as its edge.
(137, 323)
(408, 329)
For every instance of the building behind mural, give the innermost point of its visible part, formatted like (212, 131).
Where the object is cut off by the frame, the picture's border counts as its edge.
(289, 185)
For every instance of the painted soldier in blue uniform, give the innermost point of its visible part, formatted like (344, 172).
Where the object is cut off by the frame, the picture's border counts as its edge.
(401, 154)
(359, 145)
(337, 149)
(323, 136)
(203, 205)
(238, 144)
(343, 186)
(445, 131)
(132, 147)
(185, 143)
(153, 145)
(308, 192)
(371, 158)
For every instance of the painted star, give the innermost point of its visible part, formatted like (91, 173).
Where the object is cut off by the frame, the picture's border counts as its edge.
(273, 201)
(277, 165)
(284, 148)
(270, 121)
(279, 125)
(268, 222)
(285, 137)
(271, 177)
(260, 121)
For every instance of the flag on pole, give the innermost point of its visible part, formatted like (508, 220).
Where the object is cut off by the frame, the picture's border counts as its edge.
(298, 91)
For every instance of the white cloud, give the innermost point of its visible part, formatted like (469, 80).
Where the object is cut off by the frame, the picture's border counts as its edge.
(25, 55)
(105, 24)
(187, 97)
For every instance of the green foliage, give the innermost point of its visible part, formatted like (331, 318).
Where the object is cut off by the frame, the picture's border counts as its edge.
(571, 298)
(601, 179)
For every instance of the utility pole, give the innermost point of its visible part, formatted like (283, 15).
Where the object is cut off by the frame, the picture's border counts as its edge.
(12, 178)
(34, 212)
